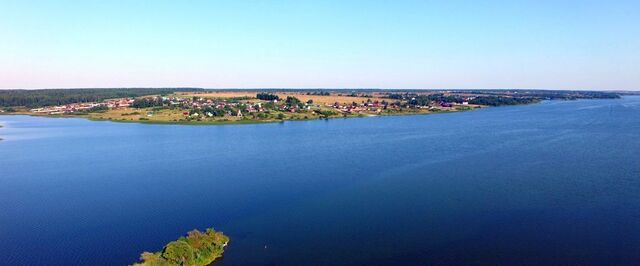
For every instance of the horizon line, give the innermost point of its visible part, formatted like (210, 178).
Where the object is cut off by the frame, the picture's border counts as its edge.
(318, 88)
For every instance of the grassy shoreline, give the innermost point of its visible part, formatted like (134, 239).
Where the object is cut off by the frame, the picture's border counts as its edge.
(235, 122)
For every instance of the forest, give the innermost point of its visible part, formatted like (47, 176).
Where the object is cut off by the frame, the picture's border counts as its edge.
(500, 100)
(52, 97)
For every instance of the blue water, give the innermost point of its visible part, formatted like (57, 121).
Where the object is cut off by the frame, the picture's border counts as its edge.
(550, 183)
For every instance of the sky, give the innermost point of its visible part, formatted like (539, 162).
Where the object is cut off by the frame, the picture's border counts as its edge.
(320, 44)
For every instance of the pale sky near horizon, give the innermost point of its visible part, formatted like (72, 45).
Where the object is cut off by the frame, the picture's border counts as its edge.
(313, 44)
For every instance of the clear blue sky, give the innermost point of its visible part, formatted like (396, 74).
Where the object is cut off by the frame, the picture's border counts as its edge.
(354, 44)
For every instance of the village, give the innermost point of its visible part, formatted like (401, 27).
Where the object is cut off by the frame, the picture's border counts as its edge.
(264, 106)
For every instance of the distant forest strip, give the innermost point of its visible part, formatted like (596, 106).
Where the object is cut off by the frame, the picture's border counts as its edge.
(539, 94)
(500, 97)
(51, 97)
(550, 94)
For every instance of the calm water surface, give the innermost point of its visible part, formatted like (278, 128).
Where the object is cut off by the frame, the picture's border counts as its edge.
(551, 183)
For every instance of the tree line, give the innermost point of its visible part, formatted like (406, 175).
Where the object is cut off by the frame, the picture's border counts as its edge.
(267, 96)
(501, 100)
(148, 102)
(51, 97)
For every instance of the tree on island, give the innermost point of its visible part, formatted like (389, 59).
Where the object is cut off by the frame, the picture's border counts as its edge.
(197, 249)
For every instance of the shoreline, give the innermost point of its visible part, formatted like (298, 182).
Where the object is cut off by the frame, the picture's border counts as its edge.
(199, 108)
(251, 122)
(237, 122)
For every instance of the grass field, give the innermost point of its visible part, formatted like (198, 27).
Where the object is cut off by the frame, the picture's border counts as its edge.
(133, 114)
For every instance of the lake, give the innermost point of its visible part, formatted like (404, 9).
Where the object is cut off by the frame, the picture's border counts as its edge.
(550, 183)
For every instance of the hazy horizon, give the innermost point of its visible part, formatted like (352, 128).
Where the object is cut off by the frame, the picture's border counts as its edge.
(568, 45)
(322, 88)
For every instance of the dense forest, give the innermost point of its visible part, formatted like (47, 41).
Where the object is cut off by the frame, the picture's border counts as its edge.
(50, 97)
(499, 100)
(267, 96)
(148, 102)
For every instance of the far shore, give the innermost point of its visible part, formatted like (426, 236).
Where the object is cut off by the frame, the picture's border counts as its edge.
(230, 107)
(231, 122)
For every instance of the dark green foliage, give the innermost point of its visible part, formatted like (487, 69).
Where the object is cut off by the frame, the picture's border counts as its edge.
(178, 252)
(291, 101)
(98, 109)
(213, 111)
(501, 97)
(147, 102)
(551, 94)
(269, 106)
(267, 96)
(499, 100)
(50, 97)
(321, 93)
(325, 113)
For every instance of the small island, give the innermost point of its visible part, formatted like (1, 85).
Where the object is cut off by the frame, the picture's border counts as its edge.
(211, 107)
(197, 249)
